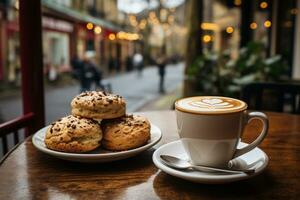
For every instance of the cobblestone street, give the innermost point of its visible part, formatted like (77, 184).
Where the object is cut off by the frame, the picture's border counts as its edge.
(137, 90)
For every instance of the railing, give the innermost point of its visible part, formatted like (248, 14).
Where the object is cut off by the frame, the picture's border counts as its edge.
(13, 126)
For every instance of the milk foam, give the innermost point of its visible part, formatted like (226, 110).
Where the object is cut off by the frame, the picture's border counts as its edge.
(211, 104)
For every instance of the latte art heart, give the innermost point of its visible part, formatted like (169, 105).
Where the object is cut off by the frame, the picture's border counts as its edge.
(211, 103)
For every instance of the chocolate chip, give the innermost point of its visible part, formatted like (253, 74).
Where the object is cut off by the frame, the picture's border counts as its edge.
(73, 126)
(68, 125)
(109, 100)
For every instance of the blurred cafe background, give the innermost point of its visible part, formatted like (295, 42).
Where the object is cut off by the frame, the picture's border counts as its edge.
(153, 52)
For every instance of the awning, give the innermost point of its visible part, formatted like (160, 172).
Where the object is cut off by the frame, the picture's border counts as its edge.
(78, 16)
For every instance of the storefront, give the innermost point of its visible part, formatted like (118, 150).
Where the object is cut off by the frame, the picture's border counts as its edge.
(57, 36)
(13, 52)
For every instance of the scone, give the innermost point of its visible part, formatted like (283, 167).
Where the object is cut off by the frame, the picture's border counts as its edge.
(73, 134)
(127, 132)
(98, 105)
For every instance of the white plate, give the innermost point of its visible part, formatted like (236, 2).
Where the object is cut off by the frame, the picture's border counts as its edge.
(255, 159)
(97, 155)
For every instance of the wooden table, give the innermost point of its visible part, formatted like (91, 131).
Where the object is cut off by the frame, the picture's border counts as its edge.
(29, 174)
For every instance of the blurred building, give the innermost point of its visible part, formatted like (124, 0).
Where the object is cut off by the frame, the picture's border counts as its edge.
(70, 27)
(231, 24)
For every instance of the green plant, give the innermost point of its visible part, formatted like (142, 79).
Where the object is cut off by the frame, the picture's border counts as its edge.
(218, 74)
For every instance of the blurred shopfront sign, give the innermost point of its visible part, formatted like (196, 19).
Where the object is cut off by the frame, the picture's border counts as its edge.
(57, 24)
(47, 23)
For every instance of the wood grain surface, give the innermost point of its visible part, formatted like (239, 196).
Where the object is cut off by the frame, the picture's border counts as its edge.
(29, 174)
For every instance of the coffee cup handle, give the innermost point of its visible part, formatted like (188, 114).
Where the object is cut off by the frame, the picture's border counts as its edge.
(249, 117)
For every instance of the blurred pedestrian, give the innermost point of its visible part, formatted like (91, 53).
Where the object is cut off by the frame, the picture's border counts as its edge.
(111, 64)
(76, 64)
(161, 64)
(138, 63)
(79, 72)
(128, 63)
(92, 73)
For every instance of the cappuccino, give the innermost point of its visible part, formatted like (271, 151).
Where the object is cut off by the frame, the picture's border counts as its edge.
(210, 105)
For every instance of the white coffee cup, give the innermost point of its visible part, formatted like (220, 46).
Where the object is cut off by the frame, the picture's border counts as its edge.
(210, 128)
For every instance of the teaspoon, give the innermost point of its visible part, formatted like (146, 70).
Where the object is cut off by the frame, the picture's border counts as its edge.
(178, 163)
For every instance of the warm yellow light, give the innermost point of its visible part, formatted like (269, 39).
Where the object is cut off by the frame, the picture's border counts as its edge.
(237, 2)
(253, 25)
(207, 38)
(121, 35)
(263, 5)
(112, 36)
(125, 36)
(135, 36)
(267, 24)
(209, 26)
(89, 26)
(229, 29)
(97, 30)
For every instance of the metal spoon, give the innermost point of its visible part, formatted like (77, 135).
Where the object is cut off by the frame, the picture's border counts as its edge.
(178, 163)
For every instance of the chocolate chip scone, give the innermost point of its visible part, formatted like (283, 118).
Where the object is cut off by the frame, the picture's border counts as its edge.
(98, 105)
(73, 134)
(127, 132)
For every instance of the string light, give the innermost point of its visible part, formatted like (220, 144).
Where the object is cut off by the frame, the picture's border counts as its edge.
(97, 30)
(229, 29)
(209, 26)
(121, 35)
(127, 36)
(267, 24)
(263, 5)
(253, 25)
(112, 36)
(89, 26)
(207, 38)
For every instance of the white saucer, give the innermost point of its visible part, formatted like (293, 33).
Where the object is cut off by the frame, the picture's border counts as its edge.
(98, 155)
(255, 159)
